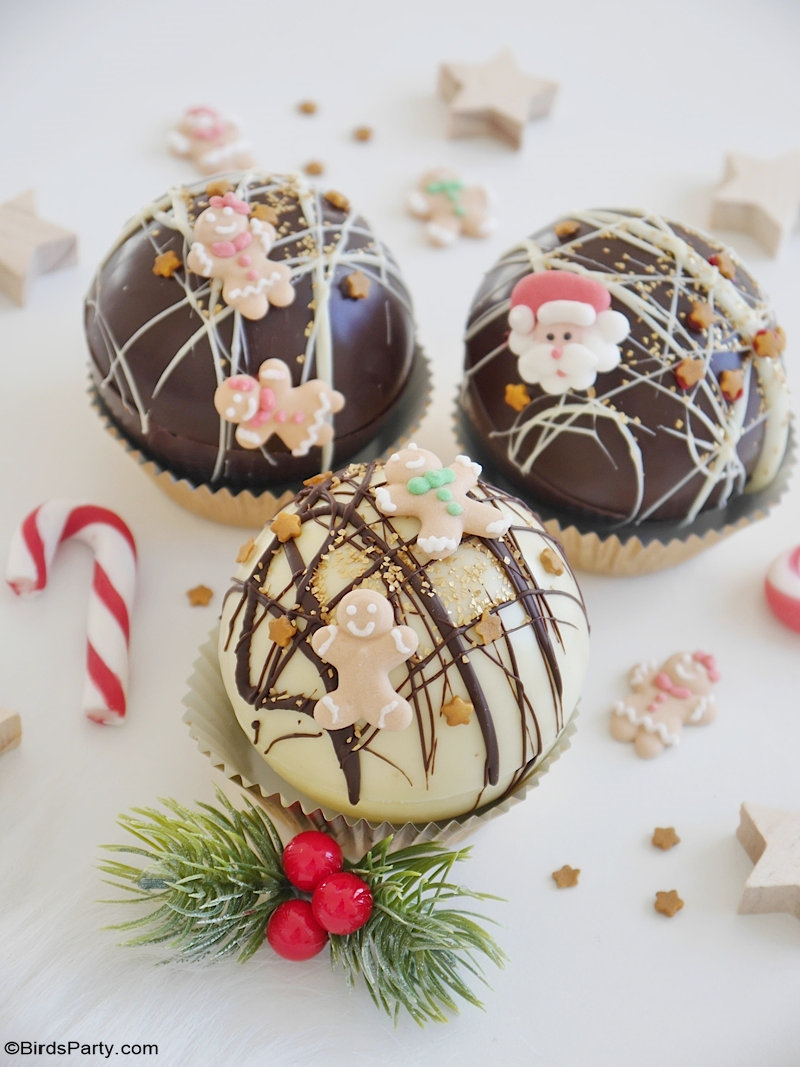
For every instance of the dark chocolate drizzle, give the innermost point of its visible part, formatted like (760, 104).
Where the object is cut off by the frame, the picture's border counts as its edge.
(383, 547)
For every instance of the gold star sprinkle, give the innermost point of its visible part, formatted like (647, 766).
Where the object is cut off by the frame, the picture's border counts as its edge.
(199, 596)
(488, 628)
(668, 903)
(516, 396)
(265, 213)
(246, 551)
(318, 479)
(307, 107)
(166, 264)
(457, 712)
(664, 837)
(769, 343)
(219, 187)
(337, 200)
(286, 526)
(314, 167)
(701, 316)
(689, 372)
(550, 561)
(355, 286)
(566, 877)
(281, 631)
(731, 383)
(724, 264)
(566, 228)
(362, 133)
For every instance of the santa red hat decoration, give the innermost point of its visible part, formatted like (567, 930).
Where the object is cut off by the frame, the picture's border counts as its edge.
(563, 330)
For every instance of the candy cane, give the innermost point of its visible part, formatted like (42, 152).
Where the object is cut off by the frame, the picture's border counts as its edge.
(33, 547)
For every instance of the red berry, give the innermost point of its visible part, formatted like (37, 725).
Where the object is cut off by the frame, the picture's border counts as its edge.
(342, 903)
(293, 931)
(310, 857)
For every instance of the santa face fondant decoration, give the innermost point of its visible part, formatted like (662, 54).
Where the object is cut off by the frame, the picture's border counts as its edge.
(563, 331)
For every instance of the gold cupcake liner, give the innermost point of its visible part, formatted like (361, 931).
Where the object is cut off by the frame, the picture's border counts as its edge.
(252, 510)
(214, 727)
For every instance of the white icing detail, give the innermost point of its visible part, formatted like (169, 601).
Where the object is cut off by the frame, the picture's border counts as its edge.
(333, 632)
(385, 710)
(566, 311)
(625, 711)
(641, 672)
(521, 320)
(417, 204)
(314, 426)
(703, 705)
(278, 374)
(399, 644)
(251, 290)
(224, 230)
(206, 264)
(372, 608)
(351, 609)
(243, 434)
(332, 707)
(178, 142)
(465, 461)
(441, 235)
(415, 464)
(360, 631)
(437, 544)
(499, 528)
(383, 499)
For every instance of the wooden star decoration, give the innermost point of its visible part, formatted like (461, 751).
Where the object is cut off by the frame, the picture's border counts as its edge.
(30, 246)
(488, 628)
(457, 712)
(10, 731)
(199, 596)
(566, 877)
(668, 903)
(664, 837)
(760, 197)
(771, 838)
(286, 526)
(281, 631)
(355, 286)
(495, 98)
(517, 396)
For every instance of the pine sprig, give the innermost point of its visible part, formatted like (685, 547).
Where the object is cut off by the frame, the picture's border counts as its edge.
(216, 877)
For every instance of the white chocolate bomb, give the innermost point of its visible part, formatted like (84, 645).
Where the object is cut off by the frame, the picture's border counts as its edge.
(502, 649)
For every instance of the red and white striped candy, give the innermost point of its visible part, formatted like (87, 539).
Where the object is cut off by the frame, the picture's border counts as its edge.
(782, 588)
(33, 547)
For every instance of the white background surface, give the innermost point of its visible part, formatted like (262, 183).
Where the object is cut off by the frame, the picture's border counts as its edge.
(652, 96)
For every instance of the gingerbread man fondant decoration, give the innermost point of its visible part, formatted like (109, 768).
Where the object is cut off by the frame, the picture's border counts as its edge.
(450, 207)
(270, 404)
(212, 142)
(231, 245)
(417, 485)
(364, 646)
(664, 699)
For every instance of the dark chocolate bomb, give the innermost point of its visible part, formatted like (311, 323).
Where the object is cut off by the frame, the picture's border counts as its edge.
(163, 337)
(687, 411)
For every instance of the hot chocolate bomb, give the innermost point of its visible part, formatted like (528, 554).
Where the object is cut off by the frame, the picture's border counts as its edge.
(205, 290)
(404, 643)
(674, 406)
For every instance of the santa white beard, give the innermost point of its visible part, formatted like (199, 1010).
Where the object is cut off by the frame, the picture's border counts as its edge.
(577, 368)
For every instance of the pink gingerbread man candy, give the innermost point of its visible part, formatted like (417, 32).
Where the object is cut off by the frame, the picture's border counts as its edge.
(270, 404)
(233, 247)
(418, 485)
(364, 647)
(663, 699)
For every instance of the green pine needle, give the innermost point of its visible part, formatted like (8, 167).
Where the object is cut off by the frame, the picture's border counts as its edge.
(215, 877)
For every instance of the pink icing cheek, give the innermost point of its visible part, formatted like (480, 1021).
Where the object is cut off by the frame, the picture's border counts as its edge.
(242, 384)
(252, 275)
(267, 400)
(244, 261)
(298, 417)
(280, 416)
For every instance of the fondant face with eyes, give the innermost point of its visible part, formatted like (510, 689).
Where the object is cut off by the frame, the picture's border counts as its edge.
(365, 614)
(222, 223)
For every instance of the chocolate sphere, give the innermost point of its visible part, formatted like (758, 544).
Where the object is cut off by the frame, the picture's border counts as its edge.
(674, 414)
(166, 326)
